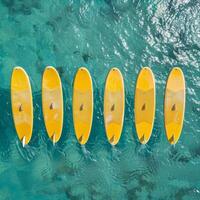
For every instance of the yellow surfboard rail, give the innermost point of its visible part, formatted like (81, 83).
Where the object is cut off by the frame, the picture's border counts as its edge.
(174, 105)
(22, 104)
(145, 103)
(114, 105)
(52, 103)
(82, 105)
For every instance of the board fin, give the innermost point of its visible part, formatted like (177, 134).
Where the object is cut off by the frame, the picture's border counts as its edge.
(112, 139)
(20, 108)
(173, 107)
(80, 138)
(142, 139)
(54, 139)
(81, 107)
(171, 140)
(24, 141)
(113, 107)
(51, 106)
(143, 107)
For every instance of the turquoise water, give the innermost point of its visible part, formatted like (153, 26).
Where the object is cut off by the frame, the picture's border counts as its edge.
(99, 35)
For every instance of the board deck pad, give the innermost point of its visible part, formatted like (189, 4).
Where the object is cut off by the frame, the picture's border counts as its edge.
(22, 104)
(52, 103)
(114, 105)
(145, 104)
(82, 105)
(174, 105)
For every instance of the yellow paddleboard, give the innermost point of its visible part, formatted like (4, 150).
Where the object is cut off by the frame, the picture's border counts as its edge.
(114, 105)
(82, 104)
(174, 107)
(145, 104)
(52, 103)
(22, 104)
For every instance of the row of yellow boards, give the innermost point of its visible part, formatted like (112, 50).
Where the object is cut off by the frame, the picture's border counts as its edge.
(114, 104)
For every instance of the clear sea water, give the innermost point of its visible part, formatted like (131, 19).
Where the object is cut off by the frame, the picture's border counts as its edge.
(100, 34)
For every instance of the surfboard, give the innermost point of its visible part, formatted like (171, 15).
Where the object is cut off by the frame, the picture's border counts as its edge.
(22, 104)
(52, 103)
(82, 105)
(174, 105)
(114, 105)
(145, 102)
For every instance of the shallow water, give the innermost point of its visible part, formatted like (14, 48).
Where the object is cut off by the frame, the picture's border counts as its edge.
(100, 34)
